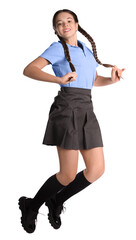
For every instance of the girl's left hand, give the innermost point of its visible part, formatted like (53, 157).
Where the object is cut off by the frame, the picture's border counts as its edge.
(116, 73)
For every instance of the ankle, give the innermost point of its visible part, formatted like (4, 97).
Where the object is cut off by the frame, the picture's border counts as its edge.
(33, 208)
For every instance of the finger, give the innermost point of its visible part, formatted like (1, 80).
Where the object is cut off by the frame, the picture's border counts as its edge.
(74, 75)
(114, 69)
(117, 74)
(70, 78)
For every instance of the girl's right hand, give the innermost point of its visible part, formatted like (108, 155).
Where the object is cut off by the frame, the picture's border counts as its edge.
(69, 77)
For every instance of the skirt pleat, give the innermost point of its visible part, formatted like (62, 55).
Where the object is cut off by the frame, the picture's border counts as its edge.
(72, 123)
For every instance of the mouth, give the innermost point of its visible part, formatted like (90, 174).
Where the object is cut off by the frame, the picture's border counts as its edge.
(67, 30)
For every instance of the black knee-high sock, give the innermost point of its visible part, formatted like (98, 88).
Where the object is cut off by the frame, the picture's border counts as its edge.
(49, 188)
(79, 183)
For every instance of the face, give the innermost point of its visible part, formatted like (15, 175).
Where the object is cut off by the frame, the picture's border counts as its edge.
(66, 26)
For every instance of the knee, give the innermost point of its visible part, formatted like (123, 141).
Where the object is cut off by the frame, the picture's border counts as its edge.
(69, 178)
(66, 178)
(101, 171)
(95, 172)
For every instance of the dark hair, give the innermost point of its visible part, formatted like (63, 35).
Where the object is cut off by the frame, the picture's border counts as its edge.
(81, 30)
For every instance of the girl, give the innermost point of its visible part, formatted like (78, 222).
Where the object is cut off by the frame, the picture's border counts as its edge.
(72, 125)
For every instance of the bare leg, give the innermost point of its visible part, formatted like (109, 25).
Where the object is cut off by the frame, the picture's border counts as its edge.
(68, 159)
(94, 161)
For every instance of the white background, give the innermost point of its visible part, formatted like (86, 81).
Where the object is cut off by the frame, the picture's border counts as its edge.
(106, 210)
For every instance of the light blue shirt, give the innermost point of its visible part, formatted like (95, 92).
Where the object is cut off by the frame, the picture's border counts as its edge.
(82, 59)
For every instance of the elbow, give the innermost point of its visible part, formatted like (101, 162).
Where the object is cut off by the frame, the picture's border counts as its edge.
(95, 84)
(96, 81)
(30, 71)
(25, 71)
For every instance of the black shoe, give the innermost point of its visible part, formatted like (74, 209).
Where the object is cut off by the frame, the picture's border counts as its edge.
(54, 213)
(29, 216)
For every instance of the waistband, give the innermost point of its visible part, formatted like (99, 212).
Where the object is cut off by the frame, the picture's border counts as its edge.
(76, 90)
(74, 97)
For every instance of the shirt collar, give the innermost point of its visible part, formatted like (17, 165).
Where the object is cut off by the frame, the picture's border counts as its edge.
(83, 45)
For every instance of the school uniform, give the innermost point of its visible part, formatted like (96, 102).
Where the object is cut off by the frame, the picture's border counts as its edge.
(72, 123)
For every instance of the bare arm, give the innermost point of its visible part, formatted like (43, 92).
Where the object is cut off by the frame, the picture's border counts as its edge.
(33, 70)
(115, 77)
(102, 81)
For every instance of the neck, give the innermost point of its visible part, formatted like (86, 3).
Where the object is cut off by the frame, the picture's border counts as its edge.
(72, 41)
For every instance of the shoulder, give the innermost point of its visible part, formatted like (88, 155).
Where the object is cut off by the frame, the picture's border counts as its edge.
(86, 48)
(53, 53)
(89, 50)
(56, 45)
(55, 48)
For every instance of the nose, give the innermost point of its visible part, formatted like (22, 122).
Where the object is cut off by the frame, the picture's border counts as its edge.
(65, 24)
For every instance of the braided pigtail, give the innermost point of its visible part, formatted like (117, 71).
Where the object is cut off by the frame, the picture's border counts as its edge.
(90, 39)
(66, 51)
(81, 30)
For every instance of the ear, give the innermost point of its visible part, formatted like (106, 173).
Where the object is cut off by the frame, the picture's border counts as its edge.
(55, 31)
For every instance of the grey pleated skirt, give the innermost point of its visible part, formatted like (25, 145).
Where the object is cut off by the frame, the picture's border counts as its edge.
(72, 123)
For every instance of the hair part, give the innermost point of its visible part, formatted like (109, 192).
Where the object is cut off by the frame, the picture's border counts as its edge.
(81, 30)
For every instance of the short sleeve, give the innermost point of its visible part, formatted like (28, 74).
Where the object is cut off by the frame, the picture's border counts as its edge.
(53, 53)
(96, 63)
